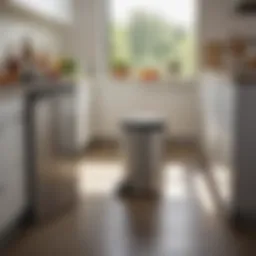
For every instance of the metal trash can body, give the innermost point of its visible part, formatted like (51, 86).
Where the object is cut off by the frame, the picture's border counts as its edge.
(143, 148)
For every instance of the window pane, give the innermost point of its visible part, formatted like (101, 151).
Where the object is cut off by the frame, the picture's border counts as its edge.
(155, 34)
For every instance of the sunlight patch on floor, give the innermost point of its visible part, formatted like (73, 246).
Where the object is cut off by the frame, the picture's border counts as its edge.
(103, 177)
(222, 179)
(203, 193)
(174, 181)
(99, 177)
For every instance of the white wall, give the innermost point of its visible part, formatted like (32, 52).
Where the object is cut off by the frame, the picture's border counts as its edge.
(79, 42)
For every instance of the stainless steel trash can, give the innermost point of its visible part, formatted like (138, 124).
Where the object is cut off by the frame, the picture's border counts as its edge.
(143, 151)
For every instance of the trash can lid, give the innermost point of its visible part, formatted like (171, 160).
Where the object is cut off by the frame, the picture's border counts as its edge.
(144, 123)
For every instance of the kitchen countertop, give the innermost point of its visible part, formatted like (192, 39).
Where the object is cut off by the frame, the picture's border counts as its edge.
(35, 89)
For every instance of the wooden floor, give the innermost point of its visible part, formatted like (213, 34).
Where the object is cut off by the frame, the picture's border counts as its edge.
(184, 222)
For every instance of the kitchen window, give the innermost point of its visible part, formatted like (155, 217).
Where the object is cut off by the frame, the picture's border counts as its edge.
(152, 40)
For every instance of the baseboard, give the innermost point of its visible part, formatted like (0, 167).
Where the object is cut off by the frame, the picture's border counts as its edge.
(102, 141)
(73, 153)
(174, 141)
(169, 144)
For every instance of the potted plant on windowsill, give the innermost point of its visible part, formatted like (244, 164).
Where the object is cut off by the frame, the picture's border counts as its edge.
(121, 69)
(174, 69)
(68, 68)
(149, 74)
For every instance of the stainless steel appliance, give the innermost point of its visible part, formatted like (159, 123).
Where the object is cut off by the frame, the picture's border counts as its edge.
(52, 179)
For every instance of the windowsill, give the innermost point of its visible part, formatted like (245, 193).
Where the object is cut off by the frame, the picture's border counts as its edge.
(179, 84)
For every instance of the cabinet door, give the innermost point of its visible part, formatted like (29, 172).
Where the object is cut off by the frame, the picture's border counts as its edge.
(3, 179)
(15, 167)
(13, 199)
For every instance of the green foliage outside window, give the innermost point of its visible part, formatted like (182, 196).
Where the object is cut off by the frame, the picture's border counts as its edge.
(148, 40)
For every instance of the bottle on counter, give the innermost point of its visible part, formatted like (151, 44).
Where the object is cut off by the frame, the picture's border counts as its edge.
(10, 70)
(29, 71)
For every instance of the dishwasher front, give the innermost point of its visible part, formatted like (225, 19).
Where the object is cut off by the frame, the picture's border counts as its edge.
(53, 180)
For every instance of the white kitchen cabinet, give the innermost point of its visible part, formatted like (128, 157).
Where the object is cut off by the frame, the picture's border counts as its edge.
(218, 99)
(229, 142)
(73, 120)
(13, 199)
(59, 11)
